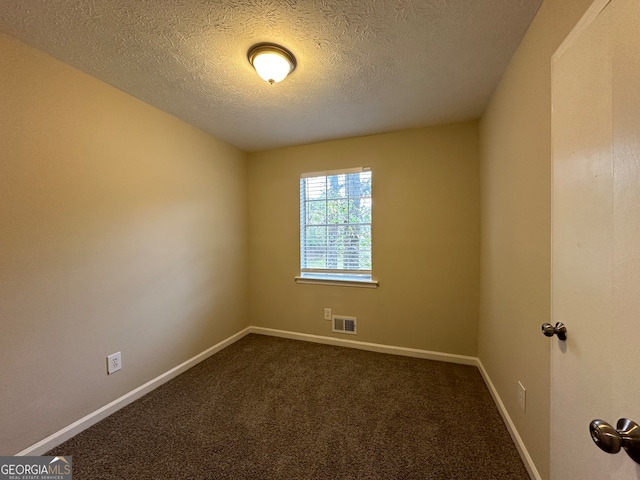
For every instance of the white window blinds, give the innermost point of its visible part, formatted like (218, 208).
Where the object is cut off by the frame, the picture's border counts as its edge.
(335, 223)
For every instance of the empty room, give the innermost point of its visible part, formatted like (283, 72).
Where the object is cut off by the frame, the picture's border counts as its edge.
(318, 239)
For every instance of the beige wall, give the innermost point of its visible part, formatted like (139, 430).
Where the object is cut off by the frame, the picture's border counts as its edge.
(122, 229)
(515, 158)
(425, 239)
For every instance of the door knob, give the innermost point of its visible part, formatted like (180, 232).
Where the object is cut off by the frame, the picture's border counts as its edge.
(626, 435)
(560, 330)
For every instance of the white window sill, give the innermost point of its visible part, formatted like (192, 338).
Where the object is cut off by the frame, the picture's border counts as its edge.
(337, 282)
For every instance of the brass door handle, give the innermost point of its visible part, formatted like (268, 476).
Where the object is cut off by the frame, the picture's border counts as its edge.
(560, 330)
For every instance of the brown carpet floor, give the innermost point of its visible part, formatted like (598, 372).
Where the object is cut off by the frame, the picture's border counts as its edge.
(272, 408)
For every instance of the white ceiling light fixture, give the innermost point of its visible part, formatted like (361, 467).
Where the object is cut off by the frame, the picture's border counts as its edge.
(272, 62)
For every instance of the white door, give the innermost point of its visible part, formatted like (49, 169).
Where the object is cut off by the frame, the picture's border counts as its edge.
(596, 239)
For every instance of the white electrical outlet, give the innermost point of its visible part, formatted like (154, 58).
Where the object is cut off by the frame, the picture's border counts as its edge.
(114, 363)
(522, 396)
(327, 314)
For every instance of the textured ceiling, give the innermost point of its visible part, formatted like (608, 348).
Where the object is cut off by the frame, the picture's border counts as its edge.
(364, 67)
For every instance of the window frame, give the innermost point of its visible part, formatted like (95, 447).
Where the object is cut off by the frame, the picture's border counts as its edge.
(326, 276)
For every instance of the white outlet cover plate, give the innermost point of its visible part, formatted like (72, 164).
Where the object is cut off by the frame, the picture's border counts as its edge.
(114, 363)
(327, 314)
(522, 396)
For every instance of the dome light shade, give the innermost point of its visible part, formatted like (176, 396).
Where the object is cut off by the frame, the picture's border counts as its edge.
(272, 62)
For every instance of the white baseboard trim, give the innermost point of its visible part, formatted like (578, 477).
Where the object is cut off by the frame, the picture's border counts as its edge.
(85, 422)
(522, 449)
(373, 347)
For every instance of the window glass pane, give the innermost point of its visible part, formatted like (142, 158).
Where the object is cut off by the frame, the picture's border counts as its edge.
(351, 248)
(337, 211)
(356, 185)
(316, 212)
(315, 247)
(364, 241)
(316, 188)
(359, 210)
(336, 186)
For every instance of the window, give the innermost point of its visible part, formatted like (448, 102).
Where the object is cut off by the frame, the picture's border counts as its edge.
(335, 227)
